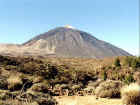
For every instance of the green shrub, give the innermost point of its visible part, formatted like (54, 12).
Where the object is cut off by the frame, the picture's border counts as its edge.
(135, 63)
(129, 79)
(117, 62)
(132, 62)
(128, 61)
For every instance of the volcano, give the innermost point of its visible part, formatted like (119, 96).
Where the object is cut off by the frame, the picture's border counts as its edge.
(66, 42)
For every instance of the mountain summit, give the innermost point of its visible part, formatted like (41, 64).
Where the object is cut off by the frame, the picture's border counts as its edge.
(68, 26)
(67, 42)
(70, 42)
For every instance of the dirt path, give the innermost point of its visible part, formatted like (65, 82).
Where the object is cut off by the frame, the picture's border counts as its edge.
(86, 100)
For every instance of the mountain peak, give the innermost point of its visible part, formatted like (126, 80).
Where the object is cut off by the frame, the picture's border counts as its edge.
(66, 42)
(69, 26)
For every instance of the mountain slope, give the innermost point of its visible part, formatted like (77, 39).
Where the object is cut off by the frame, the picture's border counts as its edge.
(64, 42)
(70, 42)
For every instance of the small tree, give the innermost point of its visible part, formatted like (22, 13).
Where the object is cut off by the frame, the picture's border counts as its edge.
(117, 62)
(135, 63)
(128, 61)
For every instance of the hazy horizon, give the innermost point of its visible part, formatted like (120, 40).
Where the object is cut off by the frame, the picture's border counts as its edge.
(116, 22)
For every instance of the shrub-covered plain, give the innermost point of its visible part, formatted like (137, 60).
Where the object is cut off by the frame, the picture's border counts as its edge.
(36, 80)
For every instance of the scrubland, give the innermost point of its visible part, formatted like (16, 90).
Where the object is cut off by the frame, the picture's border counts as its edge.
(49, 81)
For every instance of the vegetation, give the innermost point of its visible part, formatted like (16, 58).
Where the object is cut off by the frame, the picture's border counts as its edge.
(14, 82)
(109, 89)
(104, 75)
(38, 79)
(132, 62)
(131, 94)
(117, 62)
(129, 79)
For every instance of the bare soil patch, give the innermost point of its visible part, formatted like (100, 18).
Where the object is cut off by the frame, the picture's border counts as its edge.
(86, 100)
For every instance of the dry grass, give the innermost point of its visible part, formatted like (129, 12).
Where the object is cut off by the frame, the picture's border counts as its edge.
(39, 87)
(131, 94)
(17, 102)
(109, 89)
(137, 76)
(37, 79)
(14, 81)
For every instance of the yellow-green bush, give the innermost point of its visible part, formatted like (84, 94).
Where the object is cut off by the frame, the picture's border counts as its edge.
(15, 82)
(131, 94)
(108, 89)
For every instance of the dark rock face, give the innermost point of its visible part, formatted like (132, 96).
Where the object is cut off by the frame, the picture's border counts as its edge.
(69, 42)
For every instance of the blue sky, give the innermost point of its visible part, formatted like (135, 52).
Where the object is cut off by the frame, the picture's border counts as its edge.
(114, 21)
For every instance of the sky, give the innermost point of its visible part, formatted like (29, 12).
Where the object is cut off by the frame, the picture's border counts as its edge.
(114, 21)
